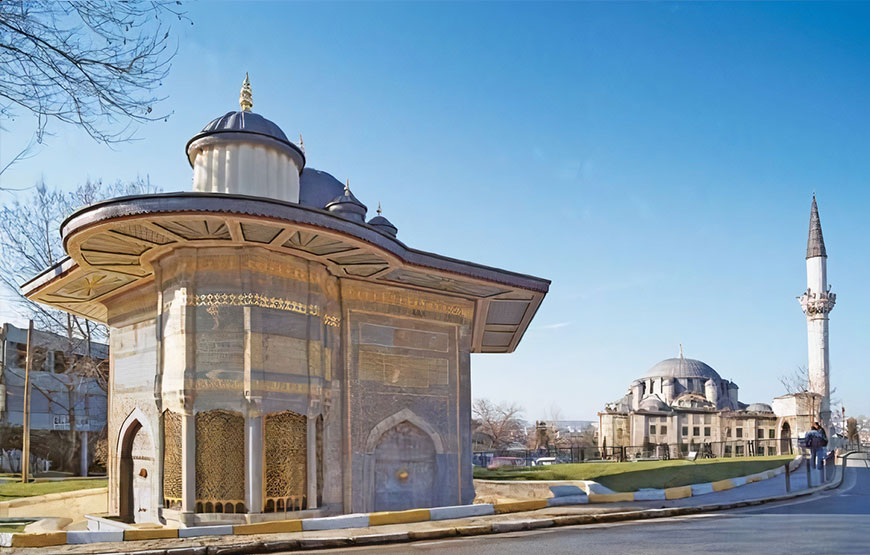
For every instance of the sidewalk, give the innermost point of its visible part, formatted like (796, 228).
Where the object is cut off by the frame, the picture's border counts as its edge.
(754, 493)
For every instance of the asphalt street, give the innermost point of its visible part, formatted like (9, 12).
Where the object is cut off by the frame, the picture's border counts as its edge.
(836, 521)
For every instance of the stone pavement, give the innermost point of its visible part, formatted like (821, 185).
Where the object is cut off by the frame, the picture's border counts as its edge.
(553, 516)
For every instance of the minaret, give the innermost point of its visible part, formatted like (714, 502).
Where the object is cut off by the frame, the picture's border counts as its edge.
(817, 302)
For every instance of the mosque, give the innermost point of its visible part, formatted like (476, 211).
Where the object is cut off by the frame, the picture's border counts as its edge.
(680, 404)
(273, 353)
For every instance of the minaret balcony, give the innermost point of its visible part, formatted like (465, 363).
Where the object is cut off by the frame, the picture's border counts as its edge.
(817, 303)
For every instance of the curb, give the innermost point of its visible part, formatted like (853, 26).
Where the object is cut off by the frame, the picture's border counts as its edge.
(362, 520)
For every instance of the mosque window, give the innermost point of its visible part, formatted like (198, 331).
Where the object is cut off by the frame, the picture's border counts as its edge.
(696, 431)
(707, 431)
(739, 432)
(663, 430)
(727, 432)
(760, 433)
(771, 433)
(652, 430)
(685, 431)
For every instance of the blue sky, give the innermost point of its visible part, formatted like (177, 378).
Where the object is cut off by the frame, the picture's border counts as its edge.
(655, 161)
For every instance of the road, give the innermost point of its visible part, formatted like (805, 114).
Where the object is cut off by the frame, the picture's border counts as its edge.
(837, 521)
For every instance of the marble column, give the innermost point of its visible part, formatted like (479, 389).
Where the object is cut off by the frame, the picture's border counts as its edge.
(254, 461)
(311, 452)
(188, 462)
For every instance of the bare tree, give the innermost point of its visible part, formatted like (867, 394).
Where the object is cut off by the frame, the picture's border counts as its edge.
(852, 430)
(796, 382)
(30, 242)
(502, 423)
(95, 64)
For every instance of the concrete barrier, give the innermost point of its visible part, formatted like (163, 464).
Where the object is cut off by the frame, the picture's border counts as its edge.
(271, 527)
(649, 495)
(336, 522)
(398, 517)
(192, 532)
(460, 511)
(69, 504)
(518, 506)
(89, 536)
(150, 534)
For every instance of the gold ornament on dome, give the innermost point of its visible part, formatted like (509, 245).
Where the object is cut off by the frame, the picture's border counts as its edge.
(246, 98)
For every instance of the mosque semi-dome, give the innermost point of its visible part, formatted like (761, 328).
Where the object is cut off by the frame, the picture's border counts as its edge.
(682, 368)
(654, 404)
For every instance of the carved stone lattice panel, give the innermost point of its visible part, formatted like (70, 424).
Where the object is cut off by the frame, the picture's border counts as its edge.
(285, 460)
(220, 461)
(171, 459)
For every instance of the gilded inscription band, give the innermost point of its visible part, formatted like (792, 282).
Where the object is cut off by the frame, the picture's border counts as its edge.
(216, 300)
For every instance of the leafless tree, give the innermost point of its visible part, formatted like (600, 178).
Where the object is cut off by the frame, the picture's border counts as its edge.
(852, 430)
(30, 242)
(95, 64)
(502, 423)
(796, 382)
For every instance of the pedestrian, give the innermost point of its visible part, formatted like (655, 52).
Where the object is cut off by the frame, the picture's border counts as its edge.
(822, 450)
(813, 441)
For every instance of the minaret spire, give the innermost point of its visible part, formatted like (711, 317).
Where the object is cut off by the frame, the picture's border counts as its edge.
(246, 99)
(815, 241)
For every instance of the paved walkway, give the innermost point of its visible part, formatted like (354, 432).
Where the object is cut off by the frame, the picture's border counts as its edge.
(772, 487)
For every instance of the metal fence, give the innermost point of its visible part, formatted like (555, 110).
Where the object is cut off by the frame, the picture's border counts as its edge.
(651, 451)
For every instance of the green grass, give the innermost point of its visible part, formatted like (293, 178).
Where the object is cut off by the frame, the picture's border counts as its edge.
(632, 476)
(16, 490)
(12, 527)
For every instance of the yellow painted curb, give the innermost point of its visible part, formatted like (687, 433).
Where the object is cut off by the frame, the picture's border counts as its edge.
(752, 479)
(678, 492)
(274, 527)
(517, 506)
(43, 539)
(722, 485)
(398, 517)
(150, 534)
(611, 497)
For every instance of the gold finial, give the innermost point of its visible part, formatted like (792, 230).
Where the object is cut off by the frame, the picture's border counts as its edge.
(379, 208)
(301, 143)
(246, 100)
(347, 187)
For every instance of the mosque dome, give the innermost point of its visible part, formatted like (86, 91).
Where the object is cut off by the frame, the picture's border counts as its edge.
(382, 224)
(247, 127)
(348, 206)
(682, 368)
(759, 407)
(318, 188)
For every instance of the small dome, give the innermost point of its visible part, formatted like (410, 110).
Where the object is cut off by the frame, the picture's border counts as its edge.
(348, 206)
(318, 188)
(759, 407)
(654, 403)
(682, 368)
(382, 224)
(250, 126)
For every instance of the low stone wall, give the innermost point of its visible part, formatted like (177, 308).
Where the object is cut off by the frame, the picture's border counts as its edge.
(70, 504)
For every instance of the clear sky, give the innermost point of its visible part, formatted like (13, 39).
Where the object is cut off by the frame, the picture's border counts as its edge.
(656, 161)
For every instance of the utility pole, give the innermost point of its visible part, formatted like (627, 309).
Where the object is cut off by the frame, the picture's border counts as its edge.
(25, 447)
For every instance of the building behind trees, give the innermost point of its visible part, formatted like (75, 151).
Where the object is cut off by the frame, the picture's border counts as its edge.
(67, 399)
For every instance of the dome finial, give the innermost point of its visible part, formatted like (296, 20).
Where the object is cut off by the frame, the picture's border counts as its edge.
(379, 208)
(681, 350)
(246, 99)
(347, 186)
(301, 143)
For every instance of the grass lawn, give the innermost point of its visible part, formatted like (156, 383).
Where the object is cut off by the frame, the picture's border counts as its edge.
(632, 476)
(15, 490)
